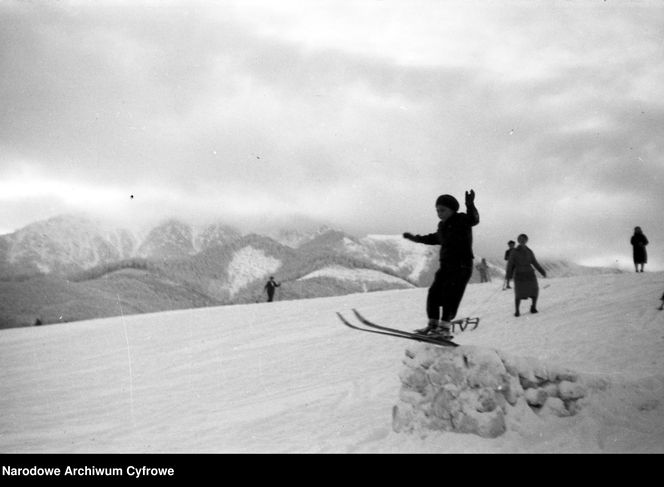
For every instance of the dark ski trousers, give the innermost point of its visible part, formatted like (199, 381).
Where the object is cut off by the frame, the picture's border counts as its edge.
(447, 289)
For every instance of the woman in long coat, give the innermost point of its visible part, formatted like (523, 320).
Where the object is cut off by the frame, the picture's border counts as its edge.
(639, 253)
(520, 268)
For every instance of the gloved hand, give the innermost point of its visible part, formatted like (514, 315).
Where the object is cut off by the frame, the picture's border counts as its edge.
(408, 236)
(470, 198)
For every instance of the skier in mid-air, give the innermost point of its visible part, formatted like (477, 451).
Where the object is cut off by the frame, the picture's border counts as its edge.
(455, 237)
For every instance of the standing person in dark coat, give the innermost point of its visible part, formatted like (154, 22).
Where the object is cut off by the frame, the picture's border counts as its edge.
(508, 252)
(455, 237)
(270, 287)
(520, 267)
(639, 253)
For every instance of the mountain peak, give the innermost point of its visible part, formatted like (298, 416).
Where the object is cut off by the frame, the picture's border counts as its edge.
(170, 239)
(63, 244)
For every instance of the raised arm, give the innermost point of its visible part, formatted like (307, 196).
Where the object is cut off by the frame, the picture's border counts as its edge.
(471, 210)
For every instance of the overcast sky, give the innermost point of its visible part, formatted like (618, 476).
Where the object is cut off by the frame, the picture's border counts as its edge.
(355, 113)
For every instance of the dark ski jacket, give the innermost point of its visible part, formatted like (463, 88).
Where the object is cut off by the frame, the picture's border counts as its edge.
(271, 285)
(455, 237)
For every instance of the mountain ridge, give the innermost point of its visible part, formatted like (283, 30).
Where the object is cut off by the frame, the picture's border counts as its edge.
(71, 268)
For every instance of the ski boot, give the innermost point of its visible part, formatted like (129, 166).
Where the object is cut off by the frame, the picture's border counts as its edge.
(443, 330)
(431, 326)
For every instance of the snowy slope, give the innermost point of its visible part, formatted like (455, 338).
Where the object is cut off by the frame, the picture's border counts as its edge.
(288, 377)
(358, 275)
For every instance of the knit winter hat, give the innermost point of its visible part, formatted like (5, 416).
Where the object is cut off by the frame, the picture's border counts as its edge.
(448, 201)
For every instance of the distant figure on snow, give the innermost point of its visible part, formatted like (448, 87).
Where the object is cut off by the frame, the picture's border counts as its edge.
(520, 267)
(639, 253)
(508, 252)
(270, 287)
(661, 306)
(455, 237)
(483, 267)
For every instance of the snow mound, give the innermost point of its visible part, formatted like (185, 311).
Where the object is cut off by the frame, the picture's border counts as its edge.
(482, 391)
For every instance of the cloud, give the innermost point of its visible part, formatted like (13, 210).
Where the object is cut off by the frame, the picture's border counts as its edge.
(359, 113)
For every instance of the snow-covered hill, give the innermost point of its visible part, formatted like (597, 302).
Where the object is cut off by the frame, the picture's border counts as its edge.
(288, 377)
(293, 237)
(358, 275)
(404, 257)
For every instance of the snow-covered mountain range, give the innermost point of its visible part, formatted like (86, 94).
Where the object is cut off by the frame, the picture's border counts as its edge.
(71, 267)
(67, 245)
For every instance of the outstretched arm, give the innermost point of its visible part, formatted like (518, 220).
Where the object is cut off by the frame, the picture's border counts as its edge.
(431, 239)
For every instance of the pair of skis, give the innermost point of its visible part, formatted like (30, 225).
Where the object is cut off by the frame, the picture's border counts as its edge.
(384, 330)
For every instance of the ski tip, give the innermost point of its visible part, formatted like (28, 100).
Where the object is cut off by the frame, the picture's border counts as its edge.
(357, 313)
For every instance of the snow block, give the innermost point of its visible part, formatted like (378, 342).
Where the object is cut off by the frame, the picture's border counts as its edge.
(536, 397)
(415, 379)
(571, 390)
(480, 391)
(554, 406)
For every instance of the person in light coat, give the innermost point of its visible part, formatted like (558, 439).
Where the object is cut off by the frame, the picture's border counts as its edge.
(521, 268)
(483, 267)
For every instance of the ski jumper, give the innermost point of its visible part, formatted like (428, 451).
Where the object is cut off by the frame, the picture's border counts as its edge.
(455, 237)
